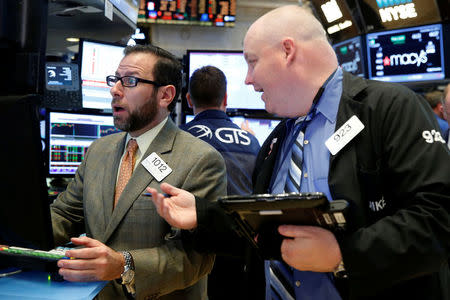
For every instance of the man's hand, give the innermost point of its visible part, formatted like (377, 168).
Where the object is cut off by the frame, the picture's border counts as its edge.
(178, 210)
(310, 248)
(95, 262)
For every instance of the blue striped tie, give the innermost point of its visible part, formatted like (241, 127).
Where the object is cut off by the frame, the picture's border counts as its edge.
(294, 175)
(280, 274)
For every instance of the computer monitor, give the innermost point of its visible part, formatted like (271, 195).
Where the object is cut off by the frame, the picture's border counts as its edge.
(62, 86)
(68, 137)
(24, 214)
(129, 8)
(350, 55)
(261, 127)
(406, 55)
(98, 60)
(232, 63)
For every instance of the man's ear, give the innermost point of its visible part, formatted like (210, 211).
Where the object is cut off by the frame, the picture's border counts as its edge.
(440, 107)
(167, 94)
(289, 48)
(189, 101)
(225, 99)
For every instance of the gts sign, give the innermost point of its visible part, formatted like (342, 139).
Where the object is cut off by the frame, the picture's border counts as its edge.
(394, 13)
(406, 59)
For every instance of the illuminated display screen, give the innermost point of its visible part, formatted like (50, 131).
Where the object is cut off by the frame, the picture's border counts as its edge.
(69, 137)
(336, 18)
(98, 60)
(59, 75)
(233, 65)
(351, 56)
(189, 12)
(410, 54)
(391, 14)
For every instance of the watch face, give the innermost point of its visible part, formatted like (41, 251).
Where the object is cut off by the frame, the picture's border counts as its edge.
(127, 276)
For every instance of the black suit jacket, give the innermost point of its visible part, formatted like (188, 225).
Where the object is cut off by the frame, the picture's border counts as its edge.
(396, 176)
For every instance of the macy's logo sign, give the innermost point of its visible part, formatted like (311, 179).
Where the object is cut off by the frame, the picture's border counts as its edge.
(406, 59)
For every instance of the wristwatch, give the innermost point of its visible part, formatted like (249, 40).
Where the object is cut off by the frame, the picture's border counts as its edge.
(340, 271)
(128, 273)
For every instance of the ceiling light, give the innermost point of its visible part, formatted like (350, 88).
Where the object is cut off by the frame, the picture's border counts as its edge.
(73, 39)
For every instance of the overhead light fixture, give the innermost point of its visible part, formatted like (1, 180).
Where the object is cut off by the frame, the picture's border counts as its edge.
(73, 39)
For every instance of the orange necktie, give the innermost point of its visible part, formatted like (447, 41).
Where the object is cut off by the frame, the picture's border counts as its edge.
(126, 169)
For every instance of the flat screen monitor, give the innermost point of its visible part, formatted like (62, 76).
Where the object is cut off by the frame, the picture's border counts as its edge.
(98, 60)
(69, 136)
(61, 76)
(194, 12)
(62, 86)
(25, 213)
(232, 63)
(350, 55)
(261, 127)
(405, 55)
(129, 8)
(393, 14)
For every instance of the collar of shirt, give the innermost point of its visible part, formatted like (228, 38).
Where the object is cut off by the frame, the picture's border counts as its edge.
(318, 130)
(211, 114)
(144, 141)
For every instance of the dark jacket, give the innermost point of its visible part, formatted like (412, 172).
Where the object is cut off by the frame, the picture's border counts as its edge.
(396, 176)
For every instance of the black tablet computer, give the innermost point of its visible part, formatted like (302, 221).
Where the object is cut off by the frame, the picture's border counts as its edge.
(260, 215)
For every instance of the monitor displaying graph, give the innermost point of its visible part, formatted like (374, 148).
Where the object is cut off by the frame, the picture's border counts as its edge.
(69, 136)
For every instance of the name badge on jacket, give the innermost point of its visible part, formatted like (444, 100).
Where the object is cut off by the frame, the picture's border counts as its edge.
(156, 166)
(344, 135)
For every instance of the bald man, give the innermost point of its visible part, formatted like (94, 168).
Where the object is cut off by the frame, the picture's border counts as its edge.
(382, 156)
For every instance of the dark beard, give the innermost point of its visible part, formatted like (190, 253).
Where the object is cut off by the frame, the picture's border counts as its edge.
(139, 118)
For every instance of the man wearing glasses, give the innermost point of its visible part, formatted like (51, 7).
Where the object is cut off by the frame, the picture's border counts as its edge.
(127, 243)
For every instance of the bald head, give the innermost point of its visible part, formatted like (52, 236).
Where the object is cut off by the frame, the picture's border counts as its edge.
(292, 20)
(289, 58)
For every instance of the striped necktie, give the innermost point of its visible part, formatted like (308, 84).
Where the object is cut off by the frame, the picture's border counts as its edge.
(280, 274)
(126, 169)
(294, 176)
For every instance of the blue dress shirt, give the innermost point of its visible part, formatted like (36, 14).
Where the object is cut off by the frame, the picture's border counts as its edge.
(316, 158)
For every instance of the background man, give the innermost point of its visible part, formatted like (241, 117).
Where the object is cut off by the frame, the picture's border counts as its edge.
(114, 213)
(207, 96)
(393, 172)
(436, 101)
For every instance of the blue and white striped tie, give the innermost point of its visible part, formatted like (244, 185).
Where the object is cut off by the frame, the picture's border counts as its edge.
(280, 274)
(294, 175)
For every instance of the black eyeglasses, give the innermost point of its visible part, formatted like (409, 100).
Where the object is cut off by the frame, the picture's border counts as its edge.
(128, 81)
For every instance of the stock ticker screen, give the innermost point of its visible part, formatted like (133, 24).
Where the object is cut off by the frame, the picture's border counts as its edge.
(351, 56)
(69, 137)
(189, 12)
(404, 55)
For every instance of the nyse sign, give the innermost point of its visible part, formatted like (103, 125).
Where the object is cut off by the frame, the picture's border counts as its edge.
(394, 13)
